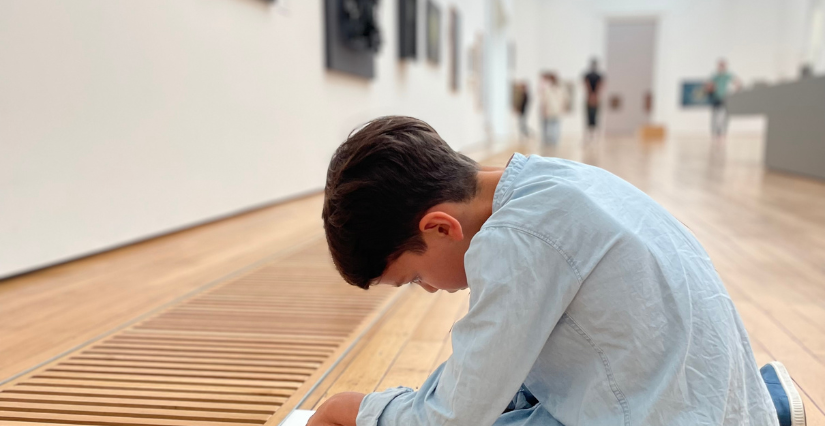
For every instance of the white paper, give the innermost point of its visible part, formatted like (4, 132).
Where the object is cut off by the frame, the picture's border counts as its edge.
(298, 418)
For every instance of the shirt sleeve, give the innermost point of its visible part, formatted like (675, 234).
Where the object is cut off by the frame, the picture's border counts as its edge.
(521, 284)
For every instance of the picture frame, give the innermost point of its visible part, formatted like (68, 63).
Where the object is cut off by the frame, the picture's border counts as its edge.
(433, 32)
(455, 49)
(352, 36)
(407, 29)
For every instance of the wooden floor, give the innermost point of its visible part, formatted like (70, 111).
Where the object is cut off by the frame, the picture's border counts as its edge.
(765, 232)
(45, 313)
(239, 353)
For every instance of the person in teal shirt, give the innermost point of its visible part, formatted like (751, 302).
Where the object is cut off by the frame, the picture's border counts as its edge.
(718, 87)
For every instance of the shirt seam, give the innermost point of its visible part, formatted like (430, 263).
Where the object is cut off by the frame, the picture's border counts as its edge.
(547, 240)
(614, 385)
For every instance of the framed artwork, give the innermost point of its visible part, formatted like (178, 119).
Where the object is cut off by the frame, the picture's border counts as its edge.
(352, 36)
(694, 94)
(433, 32)
(407, 26)
(475, 70)
(455, 48)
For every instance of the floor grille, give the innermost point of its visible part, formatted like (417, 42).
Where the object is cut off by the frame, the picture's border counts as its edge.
(232, 355)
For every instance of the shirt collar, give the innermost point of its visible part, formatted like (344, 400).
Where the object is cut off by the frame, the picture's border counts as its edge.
(503, 192)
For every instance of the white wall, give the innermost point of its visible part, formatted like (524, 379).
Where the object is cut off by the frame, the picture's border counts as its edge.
(815, 35)
(763, 40)
(122, 119)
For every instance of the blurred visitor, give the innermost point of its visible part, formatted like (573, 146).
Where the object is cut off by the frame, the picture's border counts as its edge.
(593, 85)
(521, 99)
(552, 98)
(717, 89)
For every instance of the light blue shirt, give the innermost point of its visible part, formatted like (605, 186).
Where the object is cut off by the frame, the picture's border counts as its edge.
(591, 296)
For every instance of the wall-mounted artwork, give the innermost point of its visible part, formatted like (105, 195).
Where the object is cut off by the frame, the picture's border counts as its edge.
(475, 70)
(694, 94)
(407, 25)
(352, 36)
(455, 48)
(433, 32)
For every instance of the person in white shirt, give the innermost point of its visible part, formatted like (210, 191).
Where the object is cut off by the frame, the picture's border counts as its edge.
(553, 99)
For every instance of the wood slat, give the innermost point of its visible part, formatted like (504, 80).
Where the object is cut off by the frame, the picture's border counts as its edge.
(140, 395)
(134, 410)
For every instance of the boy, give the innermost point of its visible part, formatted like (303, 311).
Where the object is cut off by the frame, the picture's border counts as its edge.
(590, 304)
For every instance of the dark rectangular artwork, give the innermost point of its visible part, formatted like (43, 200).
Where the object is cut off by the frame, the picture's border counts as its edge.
(343, 55)
(407, 28)
(455, 48)
(694, 94)
(433, 32)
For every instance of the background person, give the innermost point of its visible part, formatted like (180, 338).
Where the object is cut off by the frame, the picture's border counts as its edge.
(593, 82)
(552, 98)
(717, 89)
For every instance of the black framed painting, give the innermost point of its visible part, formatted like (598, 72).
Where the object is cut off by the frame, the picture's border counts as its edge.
(455, 48)
(407, 28)
(352, 36)
(433, 32)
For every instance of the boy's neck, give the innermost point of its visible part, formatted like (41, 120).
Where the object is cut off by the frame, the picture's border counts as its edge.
(480, 208)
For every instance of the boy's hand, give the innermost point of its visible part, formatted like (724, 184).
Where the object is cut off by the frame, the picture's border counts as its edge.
(339, 410)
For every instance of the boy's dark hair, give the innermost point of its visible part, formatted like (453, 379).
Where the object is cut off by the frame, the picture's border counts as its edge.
(380, 183)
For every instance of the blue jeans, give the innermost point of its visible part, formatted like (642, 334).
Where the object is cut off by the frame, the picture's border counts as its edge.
(551, 127)
(719, 119)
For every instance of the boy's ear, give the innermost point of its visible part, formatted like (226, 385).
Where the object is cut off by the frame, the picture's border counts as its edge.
(441, 224)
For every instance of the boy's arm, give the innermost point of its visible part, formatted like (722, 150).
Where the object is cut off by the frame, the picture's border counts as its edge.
(521, 285)
(339, 410)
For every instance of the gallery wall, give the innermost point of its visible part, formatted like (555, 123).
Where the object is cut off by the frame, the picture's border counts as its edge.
(123, 119)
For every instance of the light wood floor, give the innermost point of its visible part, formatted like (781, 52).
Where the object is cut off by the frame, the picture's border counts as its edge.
(764, 231)
(239, 353)
(45, 313)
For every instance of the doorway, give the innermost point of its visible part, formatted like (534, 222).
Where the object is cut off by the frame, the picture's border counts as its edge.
(628, 103)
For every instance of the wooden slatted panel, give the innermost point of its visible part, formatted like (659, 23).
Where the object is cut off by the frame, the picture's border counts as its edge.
(232, 355)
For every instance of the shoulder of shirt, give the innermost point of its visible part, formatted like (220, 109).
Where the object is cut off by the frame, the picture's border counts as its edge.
(557, 190)
(536, 239)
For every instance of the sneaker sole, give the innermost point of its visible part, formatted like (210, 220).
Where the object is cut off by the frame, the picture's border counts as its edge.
(794, 400)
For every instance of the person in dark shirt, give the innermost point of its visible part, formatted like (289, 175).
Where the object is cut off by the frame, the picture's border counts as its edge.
(521, 100)
(593, 84)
